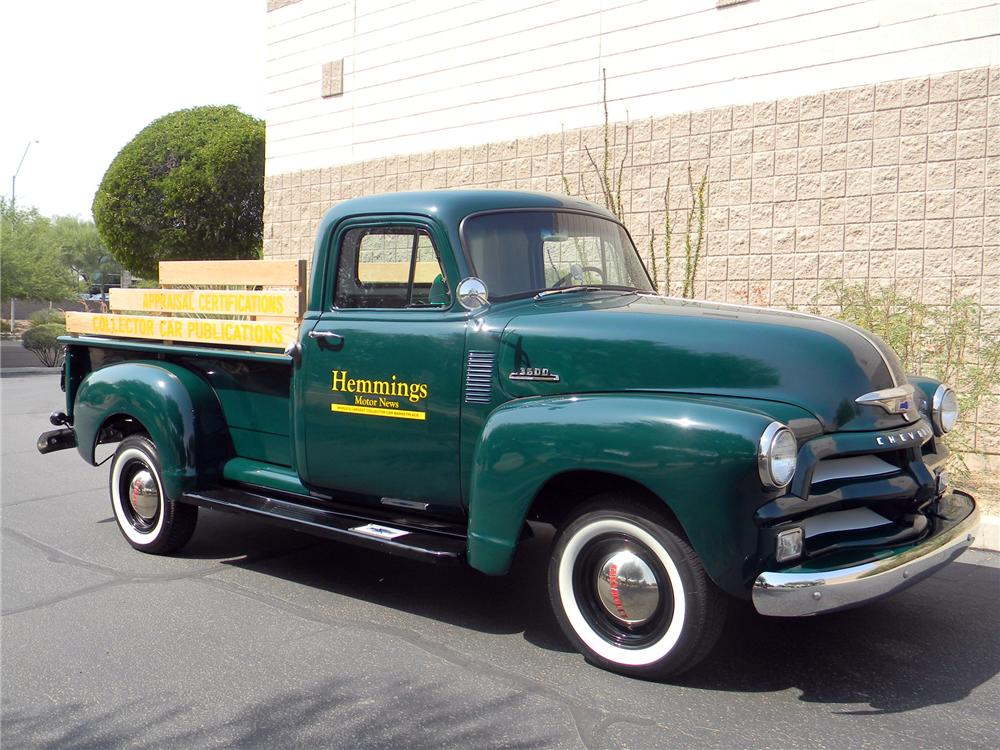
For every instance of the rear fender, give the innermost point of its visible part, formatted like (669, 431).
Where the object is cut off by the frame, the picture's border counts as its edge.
(699, 458)
(179, 410)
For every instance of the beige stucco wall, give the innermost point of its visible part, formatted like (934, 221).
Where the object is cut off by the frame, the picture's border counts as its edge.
(891, 183)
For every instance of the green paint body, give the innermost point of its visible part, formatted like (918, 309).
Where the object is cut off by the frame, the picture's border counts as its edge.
(671, 395)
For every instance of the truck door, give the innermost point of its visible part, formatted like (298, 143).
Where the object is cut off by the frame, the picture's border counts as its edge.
(379, 388)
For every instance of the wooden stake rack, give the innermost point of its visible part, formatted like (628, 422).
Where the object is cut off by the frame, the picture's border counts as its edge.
(248, 303)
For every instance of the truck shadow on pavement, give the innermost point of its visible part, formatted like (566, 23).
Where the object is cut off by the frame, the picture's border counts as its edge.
(930, 645)
(331, 713)
(926, 646)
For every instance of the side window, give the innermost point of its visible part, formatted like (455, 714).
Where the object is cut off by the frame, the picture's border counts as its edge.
(389, 267)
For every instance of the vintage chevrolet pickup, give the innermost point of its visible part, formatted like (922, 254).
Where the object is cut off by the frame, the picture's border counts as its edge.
(470, 361)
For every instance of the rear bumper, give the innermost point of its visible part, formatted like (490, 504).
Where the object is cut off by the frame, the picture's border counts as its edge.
(798, 594)
(56, 440)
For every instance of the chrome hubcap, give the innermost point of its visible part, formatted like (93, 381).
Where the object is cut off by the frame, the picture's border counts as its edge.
(626, 586)
(143, 495)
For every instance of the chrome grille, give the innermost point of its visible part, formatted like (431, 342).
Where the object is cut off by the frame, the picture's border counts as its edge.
(479, 378)
(852, 467)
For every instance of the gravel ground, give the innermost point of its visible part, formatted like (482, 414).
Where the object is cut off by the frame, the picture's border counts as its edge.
(985, 487)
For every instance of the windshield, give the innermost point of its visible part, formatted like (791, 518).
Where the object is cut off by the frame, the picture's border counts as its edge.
(526, 252)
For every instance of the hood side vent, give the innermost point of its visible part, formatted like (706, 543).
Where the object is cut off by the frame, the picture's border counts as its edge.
(479, 378)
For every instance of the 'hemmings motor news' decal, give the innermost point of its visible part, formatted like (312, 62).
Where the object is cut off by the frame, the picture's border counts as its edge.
(380, 398)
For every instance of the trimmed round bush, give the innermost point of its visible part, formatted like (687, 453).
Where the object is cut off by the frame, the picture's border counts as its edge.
(189, 186)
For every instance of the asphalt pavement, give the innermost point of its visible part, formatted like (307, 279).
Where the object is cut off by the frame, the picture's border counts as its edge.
(256, 636)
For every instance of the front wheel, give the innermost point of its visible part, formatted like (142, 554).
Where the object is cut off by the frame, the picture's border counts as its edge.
(146, 517)
(630, 592)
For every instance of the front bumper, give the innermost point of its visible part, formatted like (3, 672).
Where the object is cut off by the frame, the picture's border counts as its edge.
(801, 593)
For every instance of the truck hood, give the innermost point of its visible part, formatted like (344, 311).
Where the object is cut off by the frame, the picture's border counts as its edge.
(602, 342)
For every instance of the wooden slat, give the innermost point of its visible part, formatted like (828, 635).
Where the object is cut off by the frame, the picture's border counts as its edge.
(276, 304)
(244, 333)
(287, 273)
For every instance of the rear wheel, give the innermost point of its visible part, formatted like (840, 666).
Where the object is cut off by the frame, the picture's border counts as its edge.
(146, 517)
(630, 592)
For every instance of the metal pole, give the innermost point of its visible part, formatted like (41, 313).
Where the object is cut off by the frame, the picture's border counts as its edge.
(13, 179)
(13, 205)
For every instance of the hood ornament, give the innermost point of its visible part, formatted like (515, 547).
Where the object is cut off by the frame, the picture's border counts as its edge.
(898, 400)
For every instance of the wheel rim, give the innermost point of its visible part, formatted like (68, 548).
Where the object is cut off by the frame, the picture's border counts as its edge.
(143, 495)
(627, 587)
(623, 591)
(139, 494)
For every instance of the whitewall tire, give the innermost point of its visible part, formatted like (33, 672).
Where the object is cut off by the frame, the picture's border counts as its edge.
(147, 518)
(630, 593)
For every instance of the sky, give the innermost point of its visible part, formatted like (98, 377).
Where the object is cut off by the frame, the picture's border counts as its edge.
(83, 78)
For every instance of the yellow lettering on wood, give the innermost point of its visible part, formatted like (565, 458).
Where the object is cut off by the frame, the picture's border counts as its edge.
(210, 301)
(194, 330)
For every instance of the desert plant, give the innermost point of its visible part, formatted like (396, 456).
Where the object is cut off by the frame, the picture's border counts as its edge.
(694, 236)
(694, 239)
(945, 342)
(610, 178)
(42, 340)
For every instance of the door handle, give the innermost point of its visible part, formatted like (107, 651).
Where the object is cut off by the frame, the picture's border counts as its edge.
(330, 338)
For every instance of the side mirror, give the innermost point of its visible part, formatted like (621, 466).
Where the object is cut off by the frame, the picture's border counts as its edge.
(472, 293)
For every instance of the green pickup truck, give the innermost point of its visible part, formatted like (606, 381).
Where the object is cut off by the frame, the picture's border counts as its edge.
(470, 361)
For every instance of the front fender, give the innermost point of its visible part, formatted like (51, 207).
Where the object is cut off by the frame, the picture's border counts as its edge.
(699, 458)
(179, 410)
(925, 392)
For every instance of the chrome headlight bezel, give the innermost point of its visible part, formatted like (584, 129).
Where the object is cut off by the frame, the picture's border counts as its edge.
(774, 434)
(944, 402)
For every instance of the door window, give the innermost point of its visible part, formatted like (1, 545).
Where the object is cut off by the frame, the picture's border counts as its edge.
(389, 267)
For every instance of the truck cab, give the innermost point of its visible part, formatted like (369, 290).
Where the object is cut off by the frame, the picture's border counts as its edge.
(472, 361)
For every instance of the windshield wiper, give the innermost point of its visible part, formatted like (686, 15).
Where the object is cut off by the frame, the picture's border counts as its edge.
(583, 288)
(563, 289)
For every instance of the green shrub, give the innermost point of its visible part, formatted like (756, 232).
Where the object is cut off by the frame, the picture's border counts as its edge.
(189, 186)
(44, 317)
(945, 342)
(42, 341)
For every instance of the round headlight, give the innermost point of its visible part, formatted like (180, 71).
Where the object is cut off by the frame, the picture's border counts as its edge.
(776, 456)
(944, 409)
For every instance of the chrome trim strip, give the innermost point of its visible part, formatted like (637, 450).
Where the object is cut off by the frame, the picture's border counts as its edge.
(852, 467)
(803, 594)
(400, 503)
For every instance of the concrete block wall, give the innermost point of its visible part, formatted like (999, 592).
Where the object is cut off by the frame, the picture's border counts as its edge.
(893, 183)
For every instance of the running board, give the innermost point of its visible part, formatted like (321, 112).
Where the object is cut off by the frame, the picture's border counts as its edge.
(406, 540)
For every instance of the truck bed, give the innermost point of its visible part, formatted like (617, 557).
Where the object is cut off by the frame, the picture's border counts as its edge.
(253, 387)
